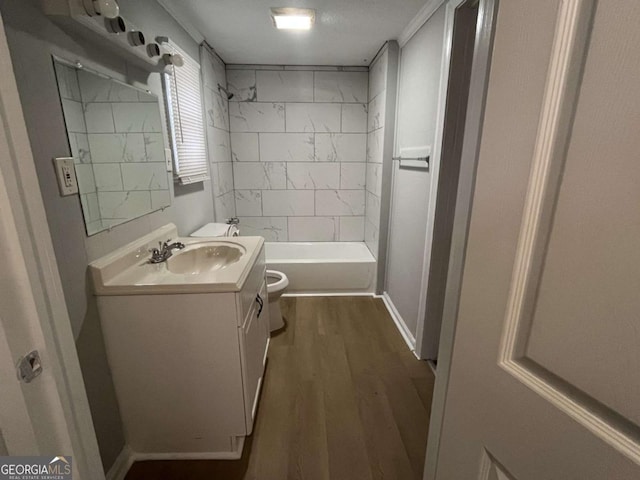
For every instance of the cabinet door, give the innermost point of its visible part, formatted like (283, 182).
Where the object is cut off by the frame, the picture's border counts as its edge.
(253, 343)
(256, 278)
(264, 318)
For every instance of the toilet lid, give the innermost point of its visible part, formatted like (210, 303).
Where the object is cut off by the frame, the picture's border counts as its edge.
(211, 230)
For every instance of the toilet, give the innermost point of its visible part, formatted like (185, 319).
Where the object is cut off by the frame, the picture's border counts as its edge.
(277, 282)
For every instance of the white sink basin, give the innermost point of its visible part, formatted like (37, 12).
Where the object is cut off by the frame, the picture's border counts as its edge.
(205, 265)
(202, 258)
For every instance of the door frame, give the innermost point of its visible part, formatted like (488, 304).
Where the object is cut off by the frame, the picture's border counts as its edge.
(434, 170)
(487, 15)
(56, 402)
(484, 34)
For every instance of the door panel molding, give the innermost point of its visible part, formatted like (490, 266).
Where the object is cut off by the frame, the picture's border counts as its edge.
(570, 44)
(491, 469)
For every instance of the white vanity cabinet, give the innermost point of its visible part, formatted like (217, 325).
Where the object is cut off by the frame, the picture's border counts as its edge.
(187, 367)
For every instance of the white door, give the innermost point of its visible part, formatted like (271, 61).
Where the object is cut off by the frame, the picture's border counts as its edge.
(48, 416)
(545, 373)
(16, 430)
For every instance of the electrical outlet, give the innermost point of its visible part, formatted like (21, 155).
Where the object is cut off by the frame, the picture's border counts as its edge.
(168, 156)
(66, 174)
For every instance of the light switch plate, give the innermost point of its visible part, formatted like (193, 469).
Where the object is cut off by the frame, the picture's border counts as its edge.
(66, 174)
(168, 157)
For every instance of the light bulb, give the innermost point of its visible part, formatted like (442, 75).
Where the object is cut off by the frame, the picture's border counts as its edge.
(136, 38)
(178, 61)
(116, 25)
(107, 8)
(174, 59)
(153, 50)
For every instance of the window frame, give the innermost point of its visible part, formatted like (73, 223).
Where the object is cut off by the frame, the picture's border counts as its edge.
(186, 121)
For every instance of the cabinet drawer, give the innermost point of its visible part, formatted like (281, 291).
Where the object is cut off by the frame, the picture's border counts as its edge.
(247, 297)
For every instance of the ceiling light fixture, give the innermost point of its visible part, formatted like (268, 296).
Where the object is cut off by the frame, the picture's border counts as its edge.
(293, 18)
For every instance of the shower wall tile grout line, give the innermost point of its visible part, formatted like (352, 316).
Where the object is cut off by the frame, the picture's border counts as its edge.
(310, 195)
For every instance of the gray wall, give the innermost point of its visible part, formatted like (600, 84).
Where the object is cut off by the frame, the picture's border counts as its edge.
(33, 38)
(419, 82)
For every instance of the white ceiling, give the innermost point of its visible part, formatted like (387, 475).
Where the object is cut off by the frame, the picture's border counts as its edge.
(346, 32)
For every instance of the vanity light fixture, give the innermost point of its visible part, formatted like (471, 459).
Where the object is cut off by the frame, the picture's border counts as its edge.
(289, 18)
(102, 17)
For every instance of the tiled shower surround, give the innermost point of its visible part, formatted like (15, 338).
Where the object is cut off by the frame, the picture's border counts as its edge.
(299, 151)
(217, 129)
(375, 148)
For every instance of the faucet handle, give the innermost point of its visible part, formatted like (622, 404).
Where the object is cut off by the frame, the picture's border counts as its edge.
(156, 254)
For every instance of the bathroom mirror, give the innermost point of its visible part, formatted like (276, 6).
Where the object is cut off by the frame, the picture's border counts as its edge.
(116, 139)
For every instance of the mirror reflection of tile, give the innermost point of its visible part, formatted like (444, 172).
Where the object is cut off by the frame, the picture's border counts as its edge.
(116, 139)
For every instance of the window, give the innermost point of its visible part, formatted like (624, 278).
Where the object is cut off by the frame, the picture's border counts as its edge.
(184, 108)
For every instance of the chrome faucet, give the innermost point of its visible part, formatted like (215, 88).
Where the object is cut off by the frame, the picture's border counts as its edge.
(232, 222)
(165, 250)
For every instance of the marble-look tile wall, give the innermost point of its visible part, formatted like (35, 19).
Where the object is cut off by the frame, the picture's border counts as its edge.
(217, 130)
(125, 129)
(298, 141)
(115, 135)
(375, 147)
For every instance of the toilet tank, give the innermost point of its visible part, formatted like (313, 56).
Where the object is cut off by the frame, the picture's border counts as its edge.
(216, 230)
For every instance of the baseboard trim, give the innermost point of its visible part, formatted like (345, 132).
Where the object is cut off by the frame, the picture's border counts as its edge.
(397, 319)
(121, 465)
(329, 294)
(128, 457)
(190, 456)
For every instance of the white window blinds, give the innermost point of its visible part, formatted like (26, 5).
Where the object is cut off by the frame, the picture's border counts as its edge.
(184, 104)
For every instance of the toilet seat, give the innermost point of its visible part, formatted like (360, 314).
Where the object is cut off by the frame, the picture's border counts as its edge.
(276, 284)
(280, 281)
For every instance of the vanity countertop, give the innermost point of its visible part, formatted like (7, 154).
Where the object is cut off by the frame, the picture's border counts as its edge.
(127, 270)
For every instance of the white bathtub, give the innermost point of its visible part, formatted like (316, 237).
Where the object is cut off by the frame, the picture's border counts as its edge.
(323, 267)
